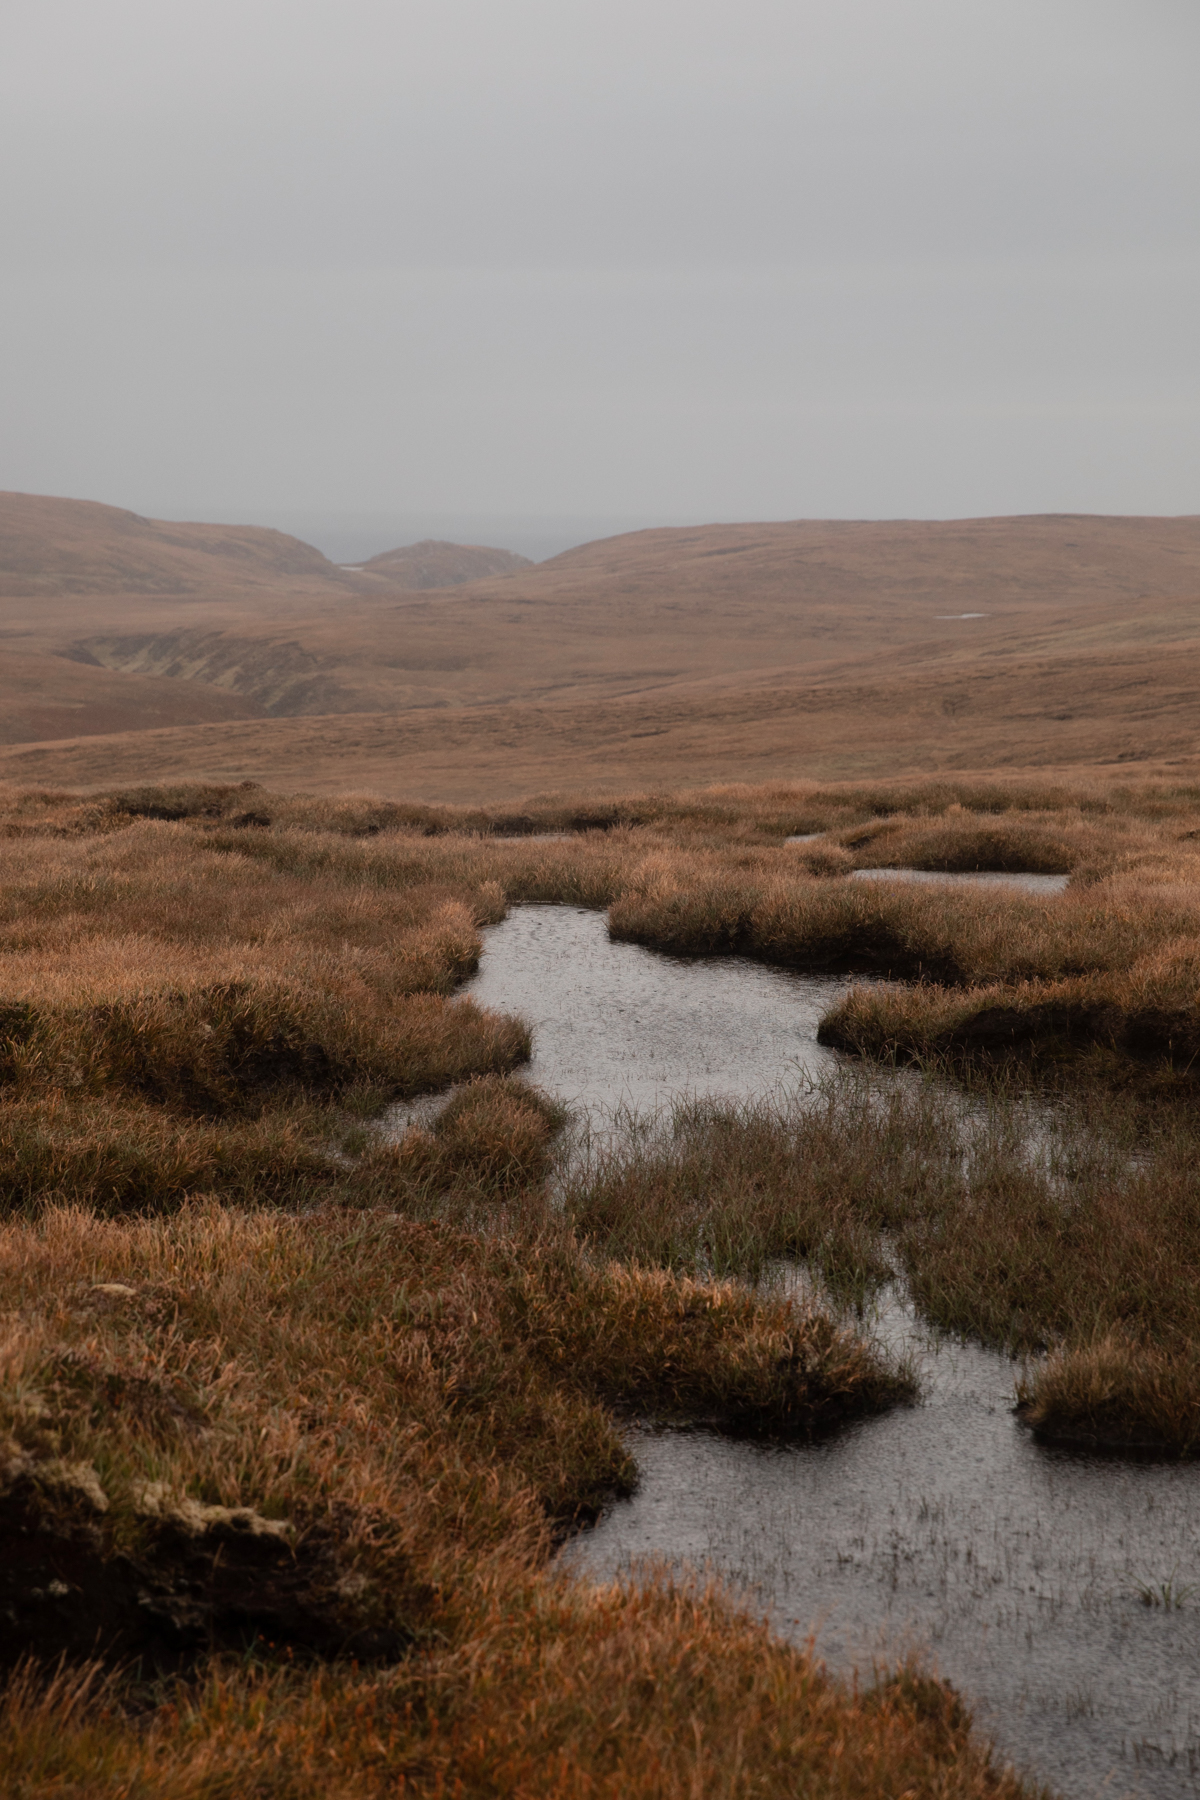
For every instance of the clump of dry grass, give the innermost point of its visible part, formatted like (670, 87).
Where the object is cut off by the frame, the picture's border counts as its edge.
(1022, 1228)
(661, 1344)
(562, 1692)
(956, 936)
(410, 1401)
(494, 1134)
(133, 1157)
(231, 1047)
(1144, 1012)
(1117, 1392)
(961, 841)
(149, 961)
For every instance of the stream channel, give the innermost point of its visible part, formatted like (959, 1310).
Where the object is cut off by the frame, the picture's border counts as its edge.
(1014, 1570)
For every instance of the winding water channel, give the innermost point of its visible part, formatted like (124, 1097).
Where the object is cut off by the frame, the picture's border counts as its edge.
(1013, 1569)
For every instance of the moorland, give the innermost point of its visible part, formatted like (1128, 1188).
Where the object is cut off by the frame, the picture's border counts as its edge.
(298, 1407)
(143, 651)
(296, 1412)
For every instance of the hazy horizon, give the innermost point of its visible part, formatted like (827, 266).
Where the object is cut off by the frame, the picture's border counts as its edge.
(653, 264)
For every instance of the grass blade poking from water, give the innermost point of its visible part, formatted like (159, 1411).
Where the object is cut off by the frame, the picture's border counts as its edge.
(728, 1188)
(1074, 1227)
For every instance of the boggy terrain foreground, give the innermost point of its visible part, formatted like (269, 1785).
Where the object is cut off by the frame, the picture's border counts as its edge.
(294, 1417)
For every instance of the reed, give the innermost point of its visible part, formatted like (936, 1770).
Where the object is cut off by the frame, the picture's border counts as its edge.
(728, 1189)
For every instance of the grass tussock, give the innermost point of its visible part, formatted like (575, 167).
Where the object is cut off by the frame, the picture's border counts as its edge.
(368, 909)
(402, 1404)
(493, 1134)
(564, 1692)
(1075, 1230)
(1117, 1393)
(1129, 1024)
(1047, 843)
(138, 1158)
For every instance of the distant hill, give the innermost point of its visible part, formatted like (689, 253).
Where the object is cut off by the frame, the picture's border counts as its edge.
(61, 547)
(711, 653)
(433, 564)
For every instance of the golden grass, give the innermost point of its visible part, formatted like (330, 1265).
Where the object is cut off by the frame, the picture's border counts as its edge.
(1119, 1393)
(411, 1363)
(328, 1417)
(363, 1322)
(493, 1134)
(562, 1692)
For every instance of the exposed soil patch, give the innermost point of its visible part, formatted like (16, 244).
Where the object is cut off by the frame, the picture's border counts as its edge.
(195, 1578)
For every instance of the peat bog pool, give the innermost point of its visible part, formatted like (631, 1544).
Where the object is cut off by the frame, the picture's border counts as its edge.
(618, 1027)
(1030, 884)
(1016, 1570)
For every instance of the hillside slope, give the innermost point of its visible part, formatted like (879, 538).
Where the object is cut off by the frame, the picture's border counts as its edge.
(434, 564)
(78, 547)
(721, 651)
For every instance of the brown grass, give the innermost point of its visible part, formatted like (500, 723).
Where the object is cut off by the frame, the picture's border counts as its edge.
(327, 1420)
(729, 1189)
(672, 656)
(411, 1364)
(1118, 1393)
(493, 1134)
(563, 1692)
(1027, 1228)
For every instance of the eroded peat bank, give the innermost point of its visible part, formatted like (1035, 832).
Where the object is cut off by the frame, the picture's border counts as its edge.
(299, 1408)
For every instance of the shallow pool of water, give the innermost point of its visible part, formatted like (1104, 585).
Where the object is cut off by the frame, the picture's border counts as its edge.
(616, 1026)
(943, 1528)
(1032, 884)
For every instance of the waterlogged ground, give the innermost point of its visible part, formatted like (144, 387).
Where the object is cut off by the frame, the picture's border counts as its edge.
(617, 1027)
(1019, 1571)
(1031, 884)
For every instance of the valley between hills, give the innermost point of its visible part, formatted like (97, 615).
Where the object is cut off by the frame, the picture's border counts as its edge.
(827, 650)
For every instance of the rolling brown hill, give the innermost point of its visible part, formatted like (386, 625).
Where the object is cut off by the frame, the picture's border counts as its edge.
(722, 652)
(78, 547)
(434, 564)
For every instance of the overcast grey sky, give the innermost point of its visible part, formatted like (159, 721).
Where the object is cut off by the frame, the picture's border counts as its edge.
(601, 259)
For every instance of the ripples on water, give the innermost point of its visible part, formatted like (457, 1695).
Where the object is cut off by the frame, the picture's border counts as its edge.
(942, 1529)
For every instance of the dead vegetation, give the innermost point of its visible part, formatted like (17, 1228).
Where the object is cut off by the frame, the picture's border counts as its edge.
(557, 1692)
(293, 1386)
(323, 1430)
(273, 1391)
(1073, 1229)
